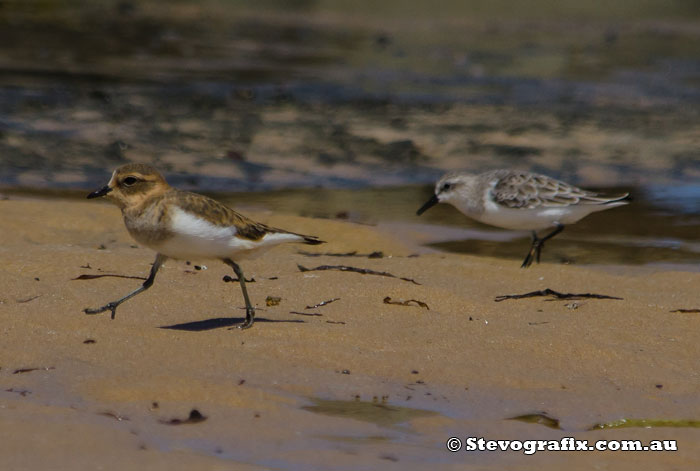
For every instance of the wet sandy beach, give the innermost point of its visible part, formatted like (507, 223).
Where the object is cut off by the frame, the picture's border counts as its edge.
(333, 118)
(356, 383)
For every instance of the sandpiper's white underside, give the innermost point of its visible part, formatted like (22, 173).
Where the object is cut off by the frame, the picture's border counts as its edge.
(531, 219)
(196, 238)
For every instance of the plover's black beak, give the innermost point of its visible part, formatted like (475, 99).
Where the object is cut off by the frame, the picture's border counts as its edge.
(101, 192)
(428, 204)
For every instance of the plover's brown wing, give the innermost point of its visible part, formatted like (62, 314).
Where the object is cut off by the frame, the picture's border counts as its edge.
(529, 190)
(221, 215)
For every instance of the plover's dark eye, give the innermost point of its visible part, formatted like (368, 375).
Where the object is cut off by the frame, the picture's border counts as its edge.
(128, 181)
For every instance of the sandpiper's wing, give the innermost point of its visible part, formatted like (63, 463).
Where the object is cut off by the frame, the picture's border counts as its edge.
(221, 215)
(524, 190)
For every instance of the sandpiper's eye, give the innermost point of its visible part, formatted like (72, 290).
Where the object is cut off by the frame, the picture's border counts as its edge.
(128, 181)
(446, 187)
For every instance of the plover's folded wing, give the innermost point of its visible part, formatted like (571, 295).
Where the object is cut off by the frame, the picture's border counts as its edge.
(525, 190)
(221, 215)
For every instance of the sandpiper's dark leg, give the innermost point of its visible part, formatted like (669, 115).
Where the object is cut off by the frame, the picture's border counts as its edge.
(146, 284)
(557, 230)
(537, 244)
(533, 249)
(249, 310)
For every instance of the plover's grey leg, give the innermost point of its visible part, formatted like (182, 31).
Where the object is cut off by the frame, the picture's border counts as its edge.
(249, 310)
(146, 284)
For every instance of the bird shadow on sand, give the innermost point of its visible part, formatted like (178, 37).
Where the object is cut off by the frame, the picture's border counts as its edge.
(220, 322)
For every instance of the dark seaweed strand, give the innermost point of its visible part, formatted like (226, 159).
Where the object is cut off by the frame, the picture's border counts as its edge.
(555, 294)
(375, 254)
(313, 314)
(322, 303)
(388, 300)
(92, 277)
(362, 271)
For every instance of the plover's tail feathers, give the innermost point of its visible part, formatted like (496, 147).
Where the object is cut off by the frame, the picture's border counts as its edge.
(312, 240)
(293, 236)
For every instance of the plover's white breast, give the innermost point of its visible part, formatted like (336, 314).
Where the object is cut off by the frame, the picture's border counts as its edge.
(194, 237)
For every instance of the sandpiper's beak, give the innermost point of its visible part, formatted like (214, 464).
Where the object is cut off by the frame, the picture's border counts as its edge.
(101, 192)
(428, 204)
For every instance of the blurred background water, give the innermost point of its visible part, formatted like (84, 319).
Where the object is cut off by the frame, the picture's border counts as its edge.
(356, 107)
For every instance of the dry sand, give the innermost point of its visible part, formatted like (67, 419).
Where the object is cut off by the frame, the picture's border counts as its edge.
(362, 385)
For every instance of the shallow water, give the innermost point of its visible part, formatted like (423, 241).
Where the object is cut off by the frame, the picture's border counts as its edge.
(652, 230)
(365, 106)
(377, 412)
(658, 229)
(237, 95)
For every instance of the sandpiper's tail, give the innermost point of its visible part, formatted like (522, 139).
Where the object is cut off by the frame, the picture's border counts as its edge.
(618, 200)
(596, 199)
(625, 197)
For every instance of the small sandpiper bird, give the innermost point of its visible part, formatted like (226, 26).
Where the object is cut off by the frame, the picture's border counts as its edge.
(519, 201)
(181, 225)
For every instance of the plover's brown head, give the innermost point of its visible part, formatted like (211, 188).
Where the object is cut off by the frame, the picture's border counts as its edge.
(131, 184)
